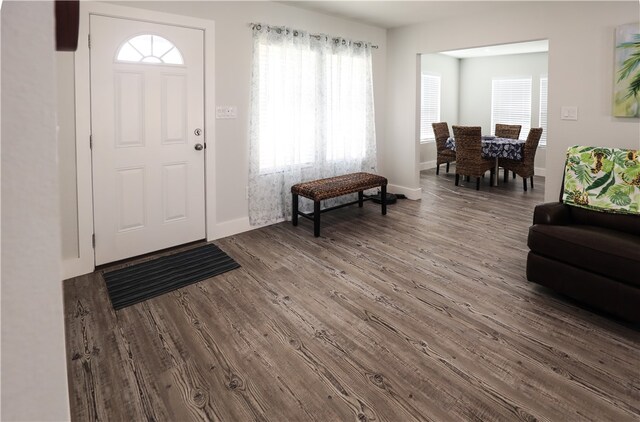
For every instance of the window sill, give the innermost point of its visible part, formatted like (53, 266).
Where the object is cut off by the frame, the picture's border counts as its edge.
(427, 141)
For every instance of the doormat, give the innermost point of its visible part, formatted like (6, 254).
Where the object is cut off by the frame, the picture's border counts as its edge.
(139, 282)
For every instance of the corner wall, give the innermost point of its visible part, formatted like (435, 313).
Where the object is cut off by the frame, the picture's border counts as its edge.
(34, 375)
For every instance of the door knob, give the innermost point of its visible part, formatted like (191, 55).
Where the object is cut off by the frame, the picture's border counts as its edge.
(198, 147)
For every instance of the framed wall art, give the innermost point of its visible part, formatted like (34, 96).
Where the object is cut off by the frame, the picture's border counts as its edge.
(626, 89)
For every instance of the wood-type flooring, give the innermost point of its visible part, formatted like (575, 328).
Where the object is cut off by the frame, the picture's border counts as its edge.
(424, 314)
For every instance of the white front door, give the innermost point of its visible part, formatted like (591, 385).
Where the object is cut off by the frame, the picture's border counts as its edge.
(147, 116)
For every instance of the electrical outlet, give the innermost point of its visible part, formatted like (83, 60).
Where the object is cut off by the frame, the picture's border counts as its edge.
(569, 113)
(226, 112)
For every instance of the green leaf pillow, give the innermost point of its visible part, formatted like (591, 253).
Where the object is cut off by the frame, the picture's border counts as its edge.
(603, 179)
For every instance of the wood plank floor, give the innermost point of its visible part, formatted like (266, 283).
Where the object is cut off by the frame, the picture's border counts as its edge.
(424, 314)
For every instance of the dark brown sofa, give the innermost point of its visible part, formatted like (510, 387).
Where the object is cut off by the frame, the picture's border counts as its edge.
(591, 256)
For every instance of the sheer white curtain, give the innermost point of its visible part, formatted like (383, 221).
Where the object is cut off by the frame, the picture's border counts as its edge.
(311, 115)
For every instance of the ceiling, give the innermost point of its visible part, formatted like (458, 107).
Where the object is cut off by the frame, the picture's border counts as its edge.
(395, 13)
(392, 14)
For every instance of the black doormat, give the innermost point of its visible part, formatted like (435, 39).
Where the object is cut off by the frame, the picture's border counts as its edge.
(139, 282)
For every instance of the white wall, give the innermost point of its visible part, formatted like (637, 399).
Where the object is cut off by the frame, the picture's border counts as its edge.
(67, 153)
(34, 378)
(448, 68)
(476, 75)
(581, 55)
(233, 52)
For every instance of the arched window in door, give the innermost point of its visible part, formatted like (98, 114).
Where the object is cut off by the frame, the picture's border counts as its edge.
(151, 49)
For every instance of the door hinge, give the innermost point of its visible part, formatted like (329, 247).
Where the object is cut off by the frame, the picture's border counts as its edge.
(93, 240)
(90, 141)
(89, 40)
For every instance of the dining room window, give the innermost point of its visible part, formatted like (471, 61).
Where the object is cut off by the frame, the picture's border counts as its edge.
(511, 103)
(543, 109)
(429, 106)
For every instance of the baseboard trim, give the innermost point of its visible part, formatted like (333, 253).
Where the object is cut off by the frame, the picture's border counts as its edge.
(231, 227)
(74, 267)
(410, 193)
(540, 171)
(428, 165)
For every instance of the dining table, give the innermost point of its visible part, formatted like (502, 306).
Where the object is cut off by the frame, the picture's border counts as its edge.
(494, 147)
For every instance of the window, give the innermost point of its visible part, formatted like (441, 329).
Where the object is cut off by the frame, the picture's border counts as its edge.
(429, 106)
(345, 108)
(543, 109)
(511, 103)
(151, 49)
(282, 96)
(312, 116)
(315, 108)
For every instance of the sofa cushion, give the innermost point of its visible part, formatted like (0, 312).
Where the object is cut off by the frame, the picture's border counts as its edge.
(627, 223)
(611, 253)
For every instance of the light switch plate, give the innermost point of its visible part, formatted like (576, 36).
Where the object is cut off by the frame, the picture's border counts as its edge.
(569, 113)
(226, 112)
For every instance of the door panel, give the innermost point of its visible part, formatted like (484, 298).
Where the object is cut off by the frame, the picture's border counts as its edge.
(148, 178)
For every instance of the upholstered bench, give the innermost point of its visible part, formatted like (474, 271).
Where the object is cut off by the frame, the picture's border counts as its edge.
(332, 187)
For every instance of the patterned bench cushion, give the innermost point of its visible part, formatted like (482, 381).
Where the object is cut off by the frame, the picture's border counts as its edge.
(332, 187)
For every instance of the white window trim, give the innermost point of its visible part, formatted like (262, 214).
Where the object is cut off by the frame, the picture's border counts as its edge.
(429, 140)
(543, 139)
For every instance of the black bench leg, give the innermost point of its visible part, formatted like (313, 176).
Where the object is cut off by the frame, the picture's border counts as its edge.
(294, 209)
(316, 218)
(360, 199)
(383, 199)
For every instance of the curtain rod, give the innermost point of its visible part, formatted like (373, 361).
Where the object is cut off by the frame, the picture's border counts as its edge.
(316, 36)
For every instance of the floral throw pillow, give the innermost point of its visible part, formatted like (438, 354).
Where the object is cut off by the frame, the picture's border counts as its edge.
(603, 179)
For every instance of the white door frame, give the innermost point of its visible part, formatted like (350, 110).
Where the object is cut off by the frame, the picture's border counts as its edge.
(85, 262)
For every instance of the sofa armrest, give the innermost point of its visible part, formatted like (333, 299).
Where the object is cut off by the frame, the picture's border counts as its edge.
(555, 213)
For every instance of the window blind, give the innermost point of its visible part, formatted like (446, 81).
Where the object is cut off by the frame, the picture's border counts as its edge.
(430, 106)
(543, 109)
(511, 103)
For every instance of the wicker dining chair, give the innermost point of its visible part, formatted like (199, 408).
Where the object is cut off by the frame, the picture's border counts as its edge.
(444, 154)
(508, 131)
(469, 160)
(524, 168)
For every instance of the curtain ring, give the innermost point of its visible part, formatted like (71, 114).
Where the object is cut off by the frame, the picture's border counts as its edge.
(344, 42)
(279, 31)
(295, 33)
(258, 27)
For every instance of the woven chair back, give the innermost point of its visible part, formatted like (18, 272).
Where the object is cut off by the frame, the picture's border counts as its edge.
(441, 132)
(531, 146)
(469, 159)
(508, 131)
